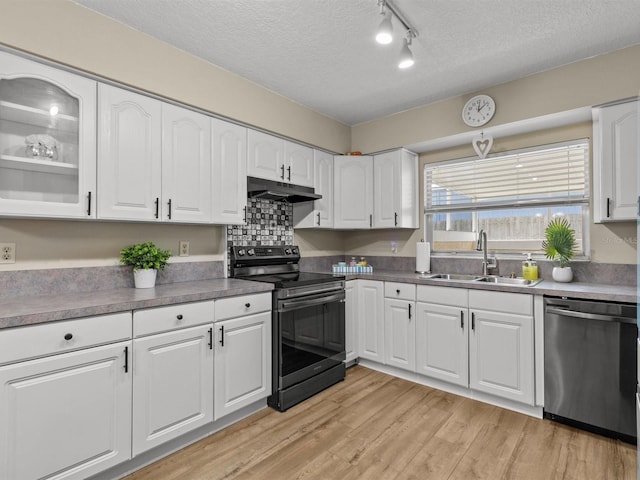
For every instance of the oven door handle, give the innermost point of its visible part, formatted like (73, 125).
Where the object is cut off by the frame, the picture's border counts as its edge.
(303, 303)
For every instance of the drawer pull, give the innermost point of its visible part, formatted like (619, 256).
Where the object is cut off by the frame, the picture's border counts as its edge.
(248, 305)
(68, 336)
(179, 317)
(398, 291)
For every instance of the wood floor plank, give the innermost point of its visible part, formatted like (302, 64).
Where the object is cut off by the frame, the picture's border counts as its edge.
(374, 426)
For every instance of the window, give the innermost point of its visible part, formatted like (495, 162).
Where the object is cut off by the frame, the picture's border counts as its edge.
(511, 196)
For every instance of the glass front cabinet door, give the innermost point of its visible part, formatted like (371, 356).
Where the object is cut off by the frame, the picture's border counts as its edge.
(47, 141)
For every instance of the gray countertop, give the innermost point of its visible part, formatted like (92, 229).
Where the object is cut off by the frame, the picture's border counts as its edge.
(29, 310)
(589, 291)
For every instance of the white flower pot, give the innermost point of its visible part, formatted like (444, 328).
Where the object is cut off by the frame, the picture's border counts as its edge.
(562, 274)
(145, 278)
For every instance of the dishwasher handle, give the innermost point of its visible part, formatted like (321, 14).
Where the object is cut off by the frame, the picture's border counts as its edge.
(590, 316)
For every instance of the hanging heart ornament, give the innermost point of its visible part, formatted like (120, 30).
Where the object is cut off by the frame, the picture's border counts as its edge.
(482, 144)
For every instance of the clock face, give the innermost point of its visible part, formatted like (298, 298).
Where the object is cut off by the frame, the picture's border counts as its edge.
(478, 110)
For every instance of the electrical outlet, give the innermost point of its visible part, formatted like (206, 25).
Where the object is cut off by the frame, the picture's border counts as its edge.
(183, 248)
(7, 253)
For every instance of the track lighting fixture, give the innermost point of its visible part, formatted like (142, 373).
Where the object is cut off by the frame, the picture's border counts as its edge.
(384, 35)
(406, 57)
(385, 30)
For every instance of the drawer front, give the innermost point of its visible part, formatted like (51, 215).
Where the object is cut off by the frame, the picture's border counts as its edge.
(58, 337)
(240, 306)
(518, 303)
(172, 317)
(457, 297)
(400, 291)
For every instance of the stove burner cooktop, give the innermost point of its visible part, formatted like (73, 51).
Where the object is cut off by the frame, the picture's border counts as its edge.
(277, 265)
(296, 279)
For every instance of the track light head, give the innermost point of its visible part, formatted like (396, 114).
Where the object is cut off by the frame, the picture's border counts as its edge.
(384, 34)
(406, 57)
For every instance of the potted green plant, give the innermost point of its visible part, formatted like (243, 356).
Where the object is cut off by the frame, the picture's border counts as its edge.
(559, 246)
(146, 259)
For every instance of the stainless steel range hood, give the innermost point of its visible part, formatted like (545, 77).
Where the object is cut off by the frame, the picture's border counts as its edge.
(283, 192)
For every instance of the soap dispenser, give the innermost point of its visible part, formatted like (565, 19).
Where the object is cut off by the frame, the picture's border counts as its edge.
(529, 268)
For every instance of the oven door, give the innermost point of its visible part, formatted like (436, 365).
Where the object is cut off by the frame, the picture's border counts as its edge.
(310, 336)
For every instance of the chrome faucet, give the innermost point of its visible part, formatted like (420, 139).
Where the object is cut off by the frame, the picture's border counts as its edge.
(481, 245)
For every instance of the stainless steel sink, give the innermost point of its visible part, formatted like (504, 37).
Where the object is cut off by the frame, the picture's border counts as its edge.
(508, 281)
(453, 276)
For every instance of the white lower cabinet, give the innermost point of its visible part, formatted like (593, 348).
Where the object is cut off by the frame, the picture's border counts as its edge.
(351, 321)
(370, 305)
(172, 383)
(501, 345)
(242, 352)
(66, 415)
(442, 324)
(400, 325)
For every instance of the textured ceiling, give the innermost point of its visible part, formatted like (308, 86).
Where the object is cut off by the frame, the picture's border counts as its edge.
(322, 53)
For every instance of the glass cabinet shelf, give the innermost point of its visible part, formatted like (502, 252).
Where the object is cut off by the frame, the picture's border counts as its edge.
(37, 165)
(14, 112)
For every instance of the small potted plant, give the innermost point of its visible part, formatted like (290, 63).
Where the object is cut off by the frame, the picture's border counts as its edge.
(560, 246)
(146, 259)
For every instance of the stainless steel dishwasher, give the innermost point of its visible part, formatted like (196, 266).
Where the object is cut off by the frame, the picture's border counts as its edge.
(590, 365)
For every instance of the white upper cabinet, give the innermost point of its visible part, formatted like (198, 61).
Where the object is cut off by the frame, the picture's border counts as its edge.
(274, 158)
(186, 165)
(616, 153)
(298, 162)
(154, 159)
(395, 190)
(378, 191)
(353, 191)
(229, 172)
(47, 141)
(129, 162)
(319, 213)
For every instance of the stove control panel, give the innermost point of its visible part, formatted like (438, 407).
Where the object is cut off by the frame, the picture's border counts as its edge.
(266, 252)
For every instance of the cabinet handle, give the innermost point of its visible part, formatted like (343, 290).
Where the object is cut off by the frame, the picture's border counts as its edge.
(319, 214)
(462, 319)
(245, 215)
(68, 337)
(282, 174)
(398, 291)
(89, 204)
(370, 220)
(396, 218)
(179, 316)
(409, 311)
(247, 305)
(211, 338)
(473, 321)
(608, 207)
(169, 202)
(222, 335)
(126, 359)
(639, 206)
(289, 173)
(157, 207)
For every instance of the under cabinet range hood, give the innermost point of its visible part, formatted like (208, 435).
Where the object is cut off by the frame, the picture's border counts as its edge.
(283, 192)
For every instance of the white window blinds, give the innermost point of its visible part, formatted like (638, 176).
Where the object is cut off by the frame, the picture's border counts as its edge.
(548, 175)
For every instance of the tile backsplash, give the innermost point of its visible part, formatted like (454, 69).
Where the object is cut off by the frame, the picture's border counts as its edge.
(268, 223)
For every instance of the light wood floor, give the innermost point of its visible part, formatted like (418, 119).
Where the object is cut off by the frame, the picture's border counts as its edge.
(374, 426)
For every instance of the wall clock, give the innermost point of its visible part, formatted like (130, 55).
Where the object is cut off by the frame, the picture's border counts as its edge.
(478, 110)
